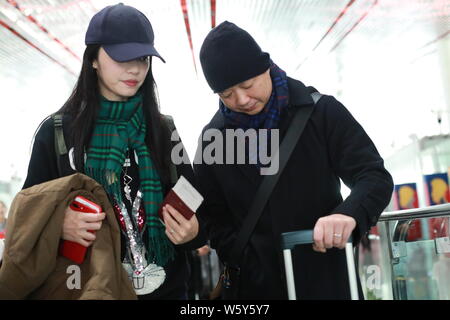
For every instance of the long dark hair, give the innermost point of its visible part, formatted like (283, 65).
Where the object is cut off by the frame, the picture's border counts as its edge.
(83, 106)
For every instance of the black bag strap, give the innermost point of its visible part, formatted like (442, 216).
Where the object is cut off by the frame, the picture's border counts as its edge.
(60, 143)
(268, 183)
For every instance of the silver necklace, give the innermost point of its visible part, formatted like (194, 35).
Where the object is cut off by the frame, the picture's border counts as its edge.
(127, 179)
(145, 277)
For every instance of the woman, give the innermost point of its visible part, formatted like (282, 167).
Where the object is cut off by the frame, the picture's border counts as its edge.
(115, 134)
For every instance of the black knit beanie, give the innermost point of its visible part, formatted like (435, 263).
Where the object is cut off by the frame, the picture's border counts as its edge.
(229, 55)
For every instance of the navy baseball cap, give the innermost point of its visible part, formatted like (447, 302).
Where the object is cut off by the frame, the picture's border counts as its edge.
(123, 31)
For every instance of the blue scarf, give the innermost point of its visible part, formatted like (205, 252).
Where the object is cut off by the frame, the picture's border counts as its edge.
(269, 117)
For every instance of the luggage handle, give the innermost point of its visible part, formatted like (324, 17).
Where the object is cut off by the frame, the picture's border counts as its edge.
(291, 239)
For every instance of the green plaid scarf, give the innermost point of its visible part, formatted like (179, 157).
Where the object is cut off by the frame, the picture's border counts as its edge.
(121, 125)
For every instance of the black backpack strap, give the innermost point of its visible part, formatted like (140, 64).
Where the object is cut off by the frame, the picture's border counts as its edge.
(172, 168)
(267, 185)
(60, 144)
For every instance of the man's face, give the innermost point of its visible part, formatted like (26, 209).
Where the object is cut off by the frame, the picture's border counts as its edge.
(249, 96)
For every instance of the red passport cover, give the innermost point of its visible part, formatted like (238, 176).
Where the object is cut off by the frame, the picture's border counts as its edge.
(175, 201)
(72, 250)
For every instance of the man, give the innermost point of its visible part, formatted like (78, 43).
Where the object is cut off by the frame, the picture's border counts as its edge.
(256, 94)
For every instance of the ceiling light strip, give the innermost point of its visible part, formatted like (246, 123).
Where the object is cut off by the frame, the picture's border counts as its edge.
(42, 28)
(354, 26)
(339, 17)
(213, 14)
(188, 29)
(4, 24)
(442, 36)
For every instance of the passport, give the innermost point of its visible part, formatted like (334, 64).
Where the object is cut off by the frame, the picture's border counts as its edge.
(184, 198)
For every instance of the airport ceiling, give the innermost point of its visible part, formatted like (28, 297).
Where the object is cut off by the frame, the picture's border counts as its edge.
(36, 35)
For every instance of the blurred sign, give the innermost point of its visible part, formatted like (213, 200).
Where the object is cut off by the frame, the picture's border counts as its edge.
(437, 192)
(436, 186)
(405, 197)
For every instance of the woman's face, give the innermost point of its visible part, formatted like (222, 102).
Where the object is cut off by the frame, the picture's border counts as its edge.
(120, 80)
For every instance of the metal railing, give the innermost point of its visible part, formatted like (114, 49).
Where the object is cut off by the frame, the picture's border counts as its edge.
(419, 213)
(393, 227)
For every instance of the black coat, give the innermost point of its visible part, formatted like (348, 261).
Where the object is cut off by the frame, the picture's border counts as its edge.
(332, 146)
(43, 167)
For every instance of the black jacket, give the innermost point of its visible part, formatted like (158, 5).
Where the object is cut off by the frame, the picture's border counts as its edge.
(332, 146)
(43, 167)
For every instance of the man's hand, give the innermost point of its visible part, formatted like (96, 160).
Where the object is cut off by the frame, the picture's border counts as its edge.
(332, 231)
(203, 251)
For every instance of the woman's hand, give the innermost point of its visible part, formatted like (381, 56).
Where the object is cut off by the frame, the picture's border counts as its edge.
(332, 231)
(178, 229)
(76, 225)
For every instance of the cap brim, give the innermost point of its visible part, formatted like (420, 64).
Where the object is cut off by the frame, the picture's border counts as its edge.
(123, 52)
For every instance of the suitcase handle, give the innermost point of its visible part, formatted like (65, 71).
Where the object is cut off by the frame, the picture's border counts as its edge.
(290, 239)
